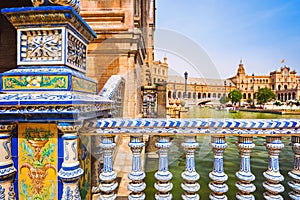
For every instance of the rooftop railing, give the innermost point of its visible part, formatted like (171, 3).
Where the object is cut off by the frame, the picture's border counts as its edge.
(218, 129)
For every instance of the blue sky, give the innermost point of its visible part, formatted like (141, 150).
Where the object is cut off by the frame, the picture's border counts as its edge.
(261, 32)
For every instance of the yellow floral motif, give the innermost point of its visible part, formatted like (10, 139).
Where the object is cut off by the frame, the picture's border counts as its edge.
(34, 82)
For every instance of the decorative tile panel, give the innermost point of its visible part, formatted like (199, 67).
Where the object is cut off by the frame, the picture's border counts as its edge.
(40, 45)
(85, 163)
(37, 161)
(76, 52)
(42, 82)
(83, 85)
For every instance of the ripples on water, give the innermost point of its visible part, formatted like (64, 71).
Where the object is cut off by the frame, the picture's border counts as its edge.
(204, 159)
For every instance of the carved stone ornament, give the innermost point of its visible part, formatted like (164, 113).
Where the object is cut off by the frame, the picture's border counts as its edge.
(74, 3)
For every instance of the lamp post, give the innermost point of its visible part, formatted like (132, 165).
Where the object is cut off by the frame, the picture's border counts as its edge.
(174, 93)
(185, 84)
(195, 86)
(225, 88)
(253, 89)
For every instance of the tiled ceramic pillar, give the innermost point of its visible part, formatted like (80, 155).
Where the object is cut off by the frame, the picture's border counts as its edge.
(70, 171)
(7, 169)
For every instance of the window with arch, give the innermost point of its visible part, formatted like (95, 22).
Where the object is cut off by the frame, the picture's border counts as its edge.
(285, 87)
(199, 95)
(169, 94)
(189, 95)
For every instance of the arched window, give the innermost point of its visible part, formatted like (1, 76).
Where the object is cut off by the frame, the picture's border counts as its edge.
(174, 95)
(199, 95)
(279, 87)
(244, 96)
(189, 95)
(194, 95)
(249, 96)
(204, 95)
(219, 95)
(169, 94)
(179, 94)
(285, 87)
(208, 95)
(214, 95)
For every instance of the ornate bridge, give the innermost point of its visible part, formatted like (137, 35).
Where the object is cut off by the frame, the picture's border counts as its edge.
(218, 129)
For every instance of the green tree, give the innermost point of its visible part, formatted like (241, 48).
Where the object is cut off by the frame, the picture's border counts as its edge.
(235, 96)
(224, 100)
(249, 100)
(265, 95)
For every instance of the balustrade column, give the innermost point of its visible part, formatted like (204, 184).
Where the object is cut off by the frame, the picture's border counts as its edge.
(244, 185)
(190, 176)
(273, 176)
(163, 175)
(136, 186)
(152, 105)
(7, 169)
(218, 176)
(295, 173)
(70, 171)
(108, 177)
(145, 104)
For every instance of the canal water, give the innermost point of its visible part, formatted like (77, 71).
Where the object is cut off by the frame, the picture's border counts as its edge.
(204, 158)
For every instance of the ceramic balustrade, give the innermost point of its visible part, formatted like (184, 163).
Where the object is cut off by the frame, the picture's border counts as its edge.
(167, 128)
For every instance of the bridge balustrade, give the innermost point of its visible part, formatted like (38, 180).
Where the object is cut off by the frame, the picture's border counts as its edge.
(218, 129)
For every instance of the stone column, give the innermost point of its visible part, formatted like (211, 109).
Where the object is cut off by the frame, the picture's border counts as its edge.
(163, 175)
(108, 177)
(245, 176)
(70, 171)
(295, 173)
(273, 176)
(190, 176)
(218, 177)
(136, 186)
(7, 169)
(161, 101)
